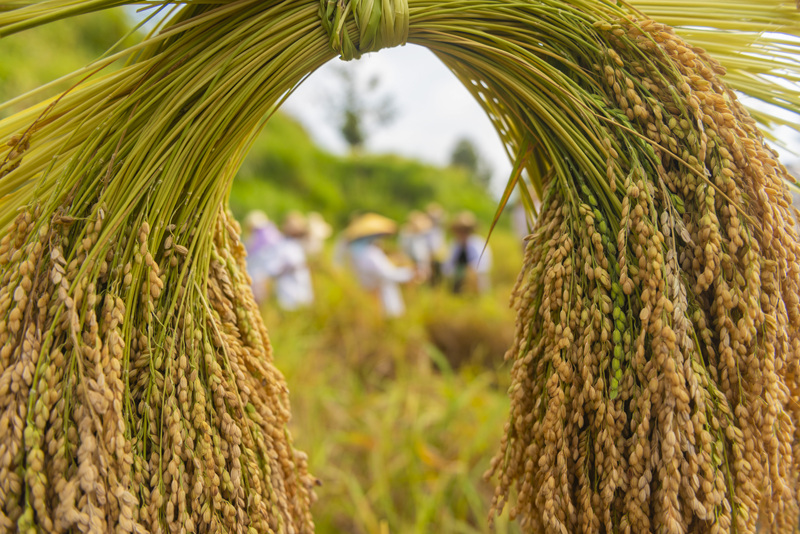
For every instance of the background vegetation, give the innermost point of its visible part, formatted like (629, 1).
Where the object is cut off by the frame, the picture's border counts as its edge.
(44, 54)
(399, 418)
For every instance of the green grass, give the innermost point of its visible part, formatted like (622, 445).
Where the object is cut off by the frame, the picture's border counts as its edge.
(43, 54)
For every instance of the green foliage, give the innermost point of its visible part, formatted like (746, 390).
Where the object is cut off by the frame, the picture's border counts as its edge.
(285, 170)
(465, 155)
(356, 107)
(352, 130)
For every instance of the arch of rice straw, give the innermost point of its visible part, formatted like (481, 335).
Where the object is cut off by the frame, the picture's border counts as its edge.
(655, 365)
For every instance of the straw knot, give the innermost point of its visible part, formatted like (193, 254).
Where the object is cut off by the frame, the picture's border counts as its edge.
(379, 24)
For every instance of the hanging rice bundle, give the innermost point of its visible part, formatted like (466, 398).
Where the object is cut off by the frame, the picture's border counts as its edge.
(655, 377)
(137, 391)
(656, 361)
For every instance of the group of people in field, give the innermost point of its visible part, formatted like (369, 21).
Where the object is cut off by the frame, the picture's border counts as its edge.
(278, 257)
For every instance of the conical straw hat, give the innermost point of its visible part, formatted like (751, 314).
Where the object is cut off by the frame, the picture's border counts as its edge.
(369, 224)
(294, 225)
(464, 221)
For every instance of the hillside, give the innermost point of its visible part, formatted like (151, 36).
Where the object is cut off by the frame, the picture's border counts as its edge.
(286, 170)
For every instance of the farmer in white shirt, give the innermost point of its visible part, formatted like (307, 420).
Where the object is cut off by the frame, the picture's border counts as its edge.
(375, 272)
(287, 265)
(469, 263)
(437, 243)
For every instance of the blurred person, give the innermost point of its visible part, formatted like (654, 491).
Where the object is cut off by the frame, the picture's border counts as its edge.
(415, 243)
(437, 243)
(470, 259)
(375, 272)
(260, 238)
(318, 231)
(287, 265)
(340, 257)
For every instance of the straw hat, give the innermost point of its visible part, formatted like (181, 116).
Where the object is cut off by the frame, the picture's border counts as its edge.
(294, 225)
(464, 222)
(418, 222)
(435, 211)
(369, 224)
(256, 219)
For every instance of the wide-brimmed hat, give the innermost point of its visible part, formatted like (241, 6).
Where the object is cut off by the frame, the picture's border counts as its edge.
(435, 211)
(256, 219)
(294, 225)
(418, 222)
(464, 222)
(369, 224)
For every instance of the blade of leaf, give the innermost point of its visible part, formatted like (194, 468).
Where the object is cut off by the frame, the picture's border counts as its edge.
(519, 164)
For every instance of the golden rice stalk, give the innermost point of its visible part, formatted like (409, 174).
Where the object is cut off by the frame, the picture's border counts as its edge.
(137, 391)
(119, 415)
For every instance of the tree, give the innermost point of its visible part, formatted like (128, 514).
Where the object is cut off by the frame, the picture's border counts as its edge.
(466, 156)
(358, 108)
